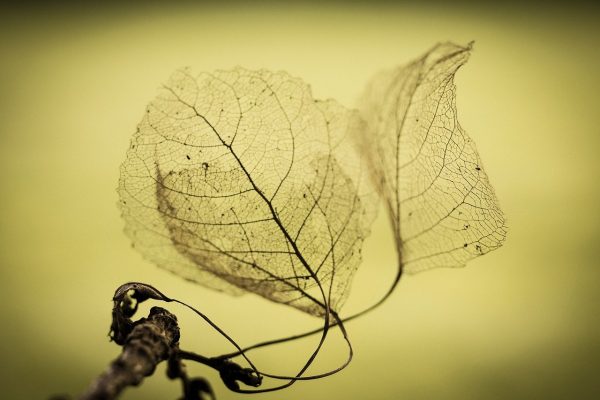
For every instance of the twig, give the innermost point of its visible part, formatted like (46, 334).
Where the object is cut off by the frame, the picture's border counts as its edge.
(151, 341)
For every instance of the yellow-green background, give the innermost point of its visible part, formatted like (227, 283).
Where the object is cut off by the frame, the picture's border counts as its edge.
(519, 323)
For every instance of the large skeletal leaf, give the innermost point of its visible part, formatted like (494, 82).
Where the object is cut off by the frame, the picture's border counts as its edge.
(241, 181)
(443, 208)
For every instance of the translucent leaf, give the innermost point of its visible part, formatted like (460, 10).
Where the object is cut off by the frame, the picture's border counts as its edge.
(241, 181)
(443, 208)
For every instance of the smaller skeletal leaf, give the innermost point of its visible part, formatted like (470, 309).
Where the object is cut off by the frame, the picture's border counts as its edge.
(443, 208)
(241, 181)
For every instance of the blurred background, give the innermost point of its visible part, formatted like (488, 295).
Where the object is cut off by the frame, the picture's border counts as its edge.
(520, 323)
